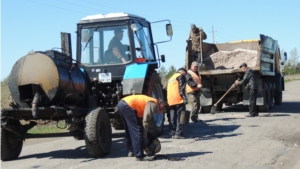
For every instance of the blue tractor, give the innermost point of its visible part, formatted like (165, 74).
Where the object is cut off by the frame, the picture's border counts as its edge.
(115, 57)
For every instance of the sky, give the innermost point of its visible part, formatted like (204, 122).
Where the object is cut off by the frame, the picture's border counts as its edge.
(28, 25)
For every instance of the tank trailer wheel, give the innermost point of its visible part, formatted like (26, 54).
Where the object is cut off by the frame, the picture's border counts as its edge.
(11, 144)
(153, 88)
(98, 135)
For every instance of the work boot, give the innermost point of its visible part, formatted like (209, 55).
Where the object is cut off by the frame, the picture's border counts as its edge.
(145, 158)
(197, 120)
(130, 154)
(249, 115)
(178, 137)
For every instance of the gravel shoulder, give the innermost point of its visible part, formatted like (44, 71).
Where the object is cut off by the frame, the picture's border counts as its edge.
(225, 140)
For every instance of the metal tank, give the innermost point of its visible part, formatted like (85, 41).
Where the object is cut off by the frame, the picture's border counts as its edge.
(50, 77)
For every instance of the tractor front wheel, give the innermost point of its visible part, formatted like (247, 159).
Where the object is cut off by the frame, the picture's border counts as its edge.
(98, 133)
(153, 88)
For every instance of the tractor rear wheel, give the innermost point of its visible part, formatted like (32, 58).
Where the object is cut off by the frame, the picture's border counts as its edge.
(97, 129)
(11, 144)
(153, 88)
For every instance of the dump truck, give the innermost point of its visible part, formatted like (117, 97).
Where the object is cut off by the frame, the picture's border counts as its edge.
(219, 68)
(52, 86)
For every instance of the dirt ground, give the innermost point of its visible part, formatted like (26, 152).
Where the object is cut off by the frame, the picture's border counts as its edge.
(226, 140)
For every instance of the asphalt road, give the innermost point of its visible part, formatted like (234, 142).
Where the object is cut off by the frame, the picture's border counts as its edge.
(225, 140)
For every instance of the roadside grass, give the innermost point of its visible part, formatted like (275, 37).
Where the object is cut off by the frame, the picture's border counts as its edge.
(288, 78)
(48, 128)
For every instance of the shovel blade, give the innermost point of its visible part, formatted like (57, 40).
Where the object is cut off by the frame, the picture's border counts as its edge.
(213, 109)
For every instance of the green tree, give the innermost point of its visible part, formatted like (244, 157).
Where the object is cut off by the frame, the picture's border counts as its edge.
(171, 71)
(162, 72)
(292, 66)
(294, 57)
(5, 81)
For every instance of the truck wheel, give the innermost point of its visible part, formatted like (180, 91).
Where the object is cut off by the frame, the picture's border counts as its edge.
(206, 109)
(278, 97)
(266, 92)
(153, 88)
(219, 107)
(11, 144)
(271, 90)
(278, 90)
(201, 111)
(98, 133)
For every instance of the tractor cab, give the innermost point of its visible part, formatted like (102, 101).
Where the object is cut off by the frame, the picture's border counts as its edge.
(109, 43)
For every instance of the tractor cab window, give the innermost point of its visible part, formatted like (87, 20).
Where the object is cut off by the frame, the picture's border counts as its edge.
(142, 42)
(105, 45)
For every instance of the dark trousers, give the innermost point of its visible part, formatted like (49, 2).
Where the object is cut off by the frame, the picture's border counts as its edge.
(133, 129)
(252, 100)
(175, 128)
(194, 98)
(196, 54)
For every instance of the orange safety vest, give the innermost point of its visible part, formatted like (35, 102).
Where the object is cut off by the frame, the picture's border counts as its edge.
(173, 94)
(196, 78)
(138, 103)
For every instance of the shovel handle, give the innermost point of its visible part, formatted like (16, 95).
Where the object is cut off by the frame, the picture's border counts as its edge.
(224, 95)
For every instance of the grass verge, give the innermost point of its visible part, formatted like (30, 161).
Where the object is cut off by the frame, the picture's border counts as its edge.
(48, 128)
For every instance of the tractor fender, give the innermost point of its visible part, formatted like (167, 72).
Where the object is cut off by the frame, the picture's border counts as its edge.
(134, 78)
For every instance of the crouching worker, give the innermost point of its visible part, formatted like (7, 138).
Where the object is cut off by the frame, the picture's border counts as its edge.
(135, 110)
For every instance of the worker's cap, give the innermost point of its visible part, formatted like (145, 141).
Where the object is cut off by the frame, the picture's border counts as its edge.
(163, 102)
(243, 64)
(194, 63)
(193, 26)
(182, 69)
(118, 30)
(200, 28)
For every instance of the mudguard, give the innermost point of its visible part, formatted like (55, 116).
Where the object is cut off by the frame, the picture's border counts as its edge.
(206, 97)
(134, 78)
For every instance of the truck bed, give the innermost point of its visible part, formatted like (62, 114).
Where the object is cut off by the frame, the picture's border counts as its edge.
(225, 58)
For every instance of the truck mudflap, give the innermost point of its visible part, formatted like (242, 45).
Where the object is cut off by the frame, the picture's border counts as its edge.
(134, 78)
(206, 97)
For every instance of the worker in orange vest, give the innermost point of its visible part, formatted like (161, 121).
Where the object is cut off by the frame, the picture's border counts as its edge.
(134, 109)
(176, 101)
(193, 89)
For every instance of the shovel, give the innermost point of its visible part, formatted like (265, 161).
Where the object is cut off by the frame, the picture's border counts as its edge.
(213, 108)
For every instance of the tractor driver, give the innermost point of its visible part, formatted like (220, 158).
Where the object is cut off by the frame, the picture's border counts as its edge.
(117, 48)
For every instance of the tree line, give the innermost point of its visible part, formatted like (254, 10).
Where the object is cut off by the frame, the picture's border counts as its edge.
(292, 65)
